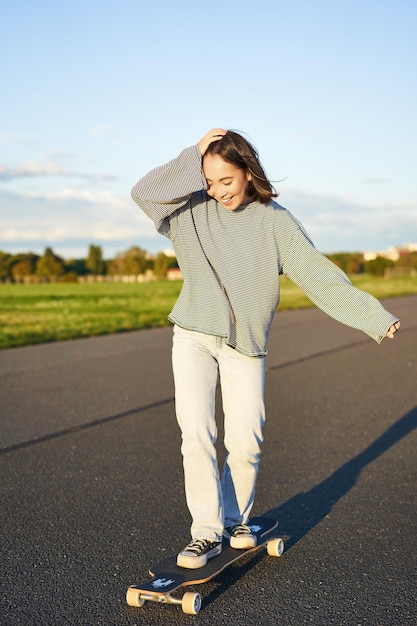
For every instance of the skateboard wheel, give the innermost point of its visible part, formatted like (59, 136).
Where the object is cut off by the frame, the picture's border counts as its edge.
(133, 598)
(275, 547)
(191, 603)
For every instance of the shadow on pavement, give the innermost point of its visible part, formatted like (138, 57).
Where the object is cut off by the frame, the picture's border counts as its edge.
(305, 510)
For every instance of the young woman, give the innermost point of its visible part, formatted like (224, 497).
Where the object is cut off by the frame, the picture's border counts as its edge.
(232, 242)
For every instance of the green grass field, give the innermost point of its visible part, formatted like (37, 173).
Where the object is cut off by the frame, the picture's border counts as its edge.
(31, 314)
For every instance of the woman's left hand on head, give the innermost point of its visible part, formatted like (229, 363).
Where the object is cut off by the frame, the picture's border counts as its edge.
(215, 134)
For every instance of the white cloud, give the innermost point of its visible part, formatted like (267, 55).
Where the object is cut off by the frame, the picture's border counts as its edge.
(95, 198)
(71, 218)
(36, 220)
(32, 169)
(9, 138)
(337, 224)
(376, 181)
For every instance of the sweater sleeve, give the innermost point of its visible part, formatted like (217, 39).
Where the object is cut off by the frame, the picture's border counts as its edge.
(168, 187)
(331, 290)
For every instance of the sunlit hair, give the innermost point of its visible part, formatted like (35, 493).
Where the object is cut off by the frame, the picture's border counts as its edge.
(237, 150)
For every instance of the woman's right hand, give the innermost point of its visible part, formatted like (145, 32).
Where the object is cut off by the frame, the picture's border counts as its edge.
(215, 134)
(390, 334)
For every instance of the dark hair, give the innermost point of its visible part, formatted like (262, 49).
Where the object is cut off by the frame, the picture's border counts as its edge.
(237, 150)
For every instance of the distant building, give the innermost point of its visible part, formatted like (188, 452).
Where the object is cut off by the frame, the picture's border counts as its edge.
(392, 253)
(174, 273)
(169, 252)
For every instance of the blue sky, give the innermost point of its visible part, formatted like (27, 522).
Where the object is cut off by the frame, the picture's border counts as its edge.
(96, 93)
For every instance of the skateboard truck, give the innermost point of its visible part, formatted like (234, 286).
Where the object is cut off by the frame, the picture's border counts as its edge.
(190, 602)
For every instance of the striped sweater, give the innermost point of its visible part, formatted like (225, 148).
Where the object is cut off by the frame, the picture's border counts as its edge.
(231, 261)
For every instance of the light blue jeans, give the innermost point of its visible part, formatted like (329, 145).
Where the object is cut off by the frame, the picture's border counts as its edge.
(198, 361)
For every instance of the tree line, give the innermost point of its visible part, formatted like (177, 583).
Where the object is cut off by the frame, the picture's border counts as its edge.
(50, 267)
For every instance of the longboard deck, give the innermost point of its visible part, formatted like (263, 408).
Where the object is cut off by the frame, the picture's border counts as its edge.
(261, 527)
(167, 577)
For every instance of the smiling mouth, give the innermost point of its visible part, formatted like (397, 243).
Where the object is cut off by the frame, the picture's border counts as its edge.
(226, 201)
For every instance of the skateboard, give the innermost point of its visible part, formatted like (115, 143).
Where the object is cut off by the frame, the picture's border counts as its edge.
(168, 578)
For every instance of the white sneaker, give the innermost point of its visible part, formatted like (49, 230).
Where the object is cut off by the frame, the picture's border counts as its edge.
(241, 537)
(198, 552)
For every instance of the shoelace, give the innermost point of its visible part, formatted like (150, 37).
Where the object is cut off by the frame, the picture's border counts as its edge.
(241, 529)
(197, 545)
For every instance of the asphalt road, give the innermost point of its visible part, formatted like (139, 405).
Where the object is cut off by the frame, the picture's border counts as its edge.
(91, 487)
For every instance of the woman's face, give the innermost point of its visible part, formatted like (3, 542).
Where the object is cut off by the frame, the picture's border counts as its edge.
(227, 183)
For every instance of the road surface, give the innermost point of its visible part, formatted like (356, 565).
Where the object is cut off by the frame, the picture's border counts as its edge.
(92, 495)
